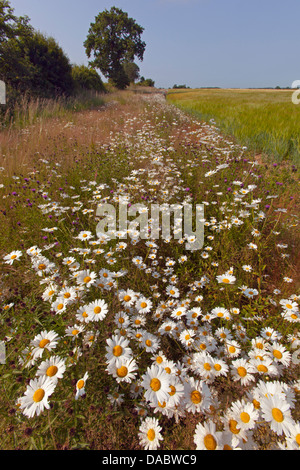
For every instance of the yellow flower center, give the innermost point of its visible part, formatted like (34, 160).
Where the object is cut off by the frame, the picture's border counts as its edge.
(38, 395)
(231, 349)
(168, 370)
(210, 442)
(42, 267)
(172, 292)
(226, 281)
(60, 306)
(232, 426)
(51, 371)
(159, 360)
(148, 342)
(97, 310)
(297, 439)
(256, 404)
(117, 351)
(173, 390)
(44, 342)
(207, 366)
(80, 384)
(151, 435)
(127, 298)
(155, 384)
(241, 371)
(277, 415)
(196, 397)
(262, 368)
(122, 372)
(217, 367)
(143, 305)
(75, 332)
(87, 279)
(13, 257)
(245, 417)
(277, 354)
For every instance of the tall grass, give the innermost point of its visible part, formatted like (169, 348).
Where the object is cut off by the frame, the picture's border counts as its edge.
(27, 110)
(266, 121)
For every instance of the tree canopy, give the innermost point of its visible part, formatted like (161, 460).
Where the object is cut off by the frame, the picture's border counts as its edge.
(114, 40)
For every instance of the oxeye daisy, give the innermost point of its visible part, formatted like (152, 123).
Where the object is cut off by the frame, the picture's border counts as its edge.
(68, 293)
(232, 348)
(186, 337)
(86, 278)
(138, 321)
(197, 395)
(44, 340)
(59, 305)
(53, 368)
(124, 370)
(226, 279)
(280, 354)
(276, 411)
(12, 257)
(150, 434)
(74, 331)
(203, 365)
(35, 399)
(250, 293)
(245, 414)
(156, 383)
(232, 427)
(49, 292)
(80, 386)
(220, 312)
(143, 305)
(270, 334)
(220, 367)
(97, 310)
(117, 349)
(82, 315)
(206, 437)
(84, 235)
(242, 371)
(178, 312)
(223, 334)
(172, 291)
(127, 297)
(116, 398)
(293, 437)
(263, 366)
(150, 342)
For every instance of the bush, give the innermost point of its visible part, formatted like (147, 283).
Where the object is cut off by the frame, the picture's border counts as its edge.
(86, 78)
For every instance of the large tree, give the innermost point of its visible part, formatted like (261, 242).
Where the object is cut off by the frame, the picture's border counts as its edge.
(114, 39)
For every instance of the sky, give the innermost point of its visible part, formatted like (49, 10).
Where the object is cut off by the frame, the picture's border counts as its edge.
(197, 43)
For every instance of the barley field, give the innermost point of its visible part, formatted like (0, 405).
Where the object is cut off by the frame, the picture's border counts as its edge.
(264, 120)
(120, 341)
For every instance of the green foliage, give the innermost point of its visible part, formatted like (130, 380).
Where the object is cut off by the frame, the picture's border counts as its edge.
(132, 71)
(114, 39)
(30, 62)
(146, 82)
(86, 78)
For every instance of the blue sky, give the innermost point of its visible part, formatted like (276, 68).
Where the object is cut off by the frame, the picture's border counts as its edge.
(224, 43)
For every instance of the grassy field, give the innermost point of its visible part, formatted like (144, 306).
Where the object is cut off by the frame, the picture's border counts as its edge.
(117, 343)
(266, 121)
